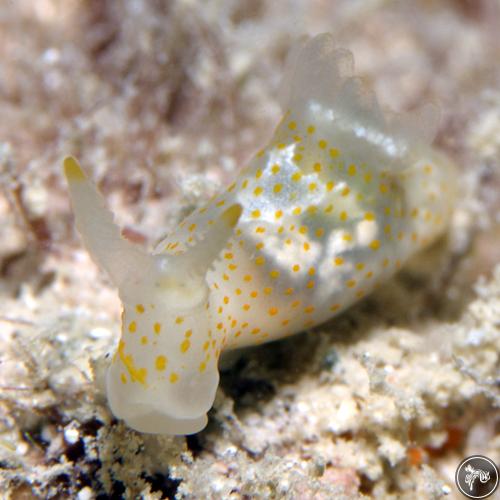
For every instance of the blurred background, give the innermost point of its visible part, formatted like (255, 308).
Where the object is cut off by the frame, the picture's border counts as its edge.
(163, 102)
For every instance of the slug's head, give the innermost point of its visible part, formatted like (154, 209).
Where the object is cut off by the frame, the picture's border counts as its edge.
(164, 375)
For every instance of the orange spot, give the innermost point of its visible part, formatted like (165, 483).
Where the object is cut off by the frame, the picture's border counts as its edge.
(160, 363)
(185, 345)
(415, 456)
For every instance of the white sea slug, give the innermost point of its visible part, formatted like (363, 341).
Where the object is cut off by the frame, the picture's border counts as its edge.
(341, 197)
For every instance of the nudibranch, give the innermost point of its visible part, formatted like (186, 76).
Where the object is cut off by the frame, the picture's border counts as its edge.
(341, 197)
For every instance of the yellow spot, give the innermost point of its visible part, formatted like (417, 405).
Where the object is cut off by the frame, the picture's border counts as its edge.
(285, 322)
(296, 268)
(238, 291)
(295, 304)
(275, 169)
(256, 214)
(343, 215)
(185, 345)
(258, 173)
(277, 188)
(203, 366)
(311, 129)
(297, 211)
(311, 271)
(228, 255)
(192, 227)
(383, 188)
(72, 170)
(317, 167)
(292, 125)
(253, 294)
(428, 169)
(268, 290)
(297, 157)
(144, 340)
(322, 144)
(246, 307)
(312, 186)
(345, 191)
(334, 152)
(174, 378)
(255, 331)
(334, 307)
(260, 229)
(368, 177)
(136, 374)
(309, 309)
(260, 261)
(281, 146)
(274, 274)
(329, 209)
(247, 277)
(139, 308)
(338, 261)
(330, 185)
(160, 363)
(179, 320)
(157, 328)
(387, 229)
(289, 291)
(123, 378)
(351, 170)
(231, 215)
(347, 237)
(351, 283)
(375, 245)
(302, 229)
(258, 191)
(369, 216)
(319, 232)
(278, 214)
(244, 184)
(132, 327)
(360, 266)
(310, 284)
(220, 203)
(306, 246)
(296, 177)
(273, 311)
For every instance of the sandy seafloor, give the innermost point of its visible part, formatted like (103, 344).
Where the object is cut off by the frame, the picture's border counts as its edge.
(163, 102)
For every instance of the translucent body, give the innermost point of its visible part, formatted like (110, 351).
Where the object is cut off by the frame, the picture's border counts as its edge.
(338, 201)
